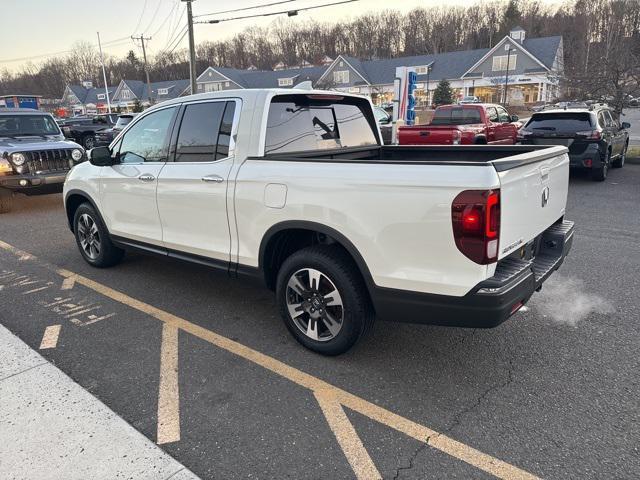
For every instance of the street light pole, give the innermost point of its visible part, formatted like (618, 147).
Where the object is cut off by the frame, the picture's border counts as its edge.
(506, 77)
(192, 49)
(104, 74)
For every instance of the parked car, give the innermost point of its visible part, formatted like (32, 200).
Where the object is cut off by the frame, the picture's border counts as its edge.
(34, 155)
(469, 99)
(595, 137)
(294, 188)
(466, 124)
(106, 136)
(385, 122)
(83, 129)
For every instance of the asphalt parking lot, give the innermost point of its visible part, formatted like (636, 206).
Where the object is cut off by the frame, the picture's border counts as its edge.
(203, 365)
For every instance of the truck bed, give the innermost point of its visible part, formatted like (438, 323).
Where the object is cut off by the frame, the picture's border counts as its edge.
(502, 157)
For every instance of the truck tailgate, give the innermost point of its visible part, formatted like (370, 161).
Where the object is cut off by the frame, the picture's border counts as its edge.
(533, 195)
(428, 135)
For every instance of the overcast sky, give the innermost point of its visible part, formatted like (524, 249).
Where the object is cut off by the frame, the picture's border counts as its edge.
(42, 28)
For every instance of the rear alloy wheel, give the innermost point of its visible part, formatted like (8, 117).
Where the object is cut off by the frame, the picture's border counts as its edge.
(93, 239)
(600, 174)
(323, 299)
(619, 162)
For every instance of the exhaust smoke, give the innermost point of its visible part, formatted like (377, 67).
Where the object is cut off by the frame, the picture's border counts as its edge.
(566, 300)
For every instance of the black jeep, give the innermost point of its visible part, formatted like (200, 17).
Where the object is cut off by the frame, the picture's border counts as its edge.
(594, 135)
(34, 155)
(84, 129)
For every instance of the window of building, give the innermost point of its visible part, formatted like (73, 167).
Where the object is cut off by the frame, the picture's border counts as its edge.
(205, 132)
(227, 84)
(213, 87)
(125, 94)
(422, 70)
(163, 91)
(285, 82)
(101, 96)
(147, 140)
(316, 125)
(341, 76)
(500, 62)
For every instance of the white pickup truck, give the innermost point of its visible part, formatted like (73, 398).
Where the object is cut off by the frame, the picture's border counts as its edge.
(295, 188)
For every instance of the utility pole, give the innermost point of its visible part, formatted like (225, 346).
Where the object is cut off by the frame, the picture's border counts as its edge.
(192, 48)
(104, 74)
(142, 38)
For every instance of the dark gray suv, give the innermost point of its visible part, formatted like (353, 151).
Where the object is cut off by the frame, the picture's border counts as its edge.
(34, 155)
(594, 135)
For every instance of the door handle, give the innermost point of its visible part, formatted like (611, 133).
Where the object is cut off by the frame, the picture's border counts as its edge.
(146, 177)
(213, 178)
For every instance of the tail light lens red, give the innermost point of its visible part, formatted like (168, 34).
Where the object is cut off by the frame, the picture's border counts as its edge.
(475, 215)
(591, 134)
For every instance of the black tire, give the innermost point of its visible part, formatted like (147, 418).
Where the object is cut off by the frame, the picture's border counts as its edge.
(357, 315)
(599, 174)
(88, 142)
(619, 162)
(6, 200)
(105, 254)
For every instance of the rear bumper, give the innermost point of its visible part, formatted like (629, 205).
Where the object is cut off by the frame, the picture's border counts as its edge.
(34, 184)
(589, 158)
(492, 301)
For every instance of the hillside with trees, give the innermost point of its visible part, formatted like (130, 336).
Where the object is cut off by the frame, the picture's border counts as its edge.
(601, 45)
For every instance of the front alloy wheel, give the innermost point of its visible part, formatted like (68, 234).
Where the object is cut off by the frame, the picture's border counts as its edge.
(93, 239)
(315, 304)
(89, 236)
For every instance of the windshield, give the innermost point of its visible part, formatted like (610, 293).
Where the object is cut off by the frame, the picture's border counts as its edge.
(27, 125)
(122, 122)
(560, 122)
(456, 116)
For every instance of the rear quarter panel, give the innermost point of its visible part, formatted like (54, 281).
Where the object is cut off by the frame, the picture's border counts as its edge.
(397, 216)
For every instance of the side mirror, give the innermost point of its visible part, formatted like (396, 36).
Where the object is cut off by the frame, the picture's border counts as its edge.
(100, 157)
(626, 125)
(515, 118)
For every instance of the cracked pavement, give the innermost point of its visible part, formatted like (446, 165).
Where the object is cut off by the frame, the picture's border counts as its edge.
(554, 398)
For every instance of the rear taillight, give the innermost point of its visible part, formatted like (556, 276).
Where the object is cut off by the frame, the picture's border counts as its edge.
(591, 134)
(475, 215)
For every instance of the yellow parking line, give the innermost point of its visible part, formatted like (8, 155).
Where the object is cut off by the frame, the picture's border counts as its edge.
(50, 337)
(168, 392)
(437, 440)
(347, 437)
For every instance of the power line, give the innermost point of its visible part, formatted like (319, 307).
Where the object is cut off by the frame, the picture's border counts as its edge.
(172, 36)
(110, 43)
(153, 18)
(244, 8)
(175, 5)
(289, 12)
(178, 42)
(144, 7)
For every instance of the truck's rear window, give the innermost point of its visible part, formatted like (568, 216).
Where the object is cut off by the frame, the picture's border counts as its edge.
(456, 116)
(303, 123)
(560, 122)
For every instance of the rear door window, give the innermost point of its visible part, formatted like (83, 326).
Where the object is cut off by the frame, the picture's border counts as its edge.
(568, 122)
(492, 113)
(303, 123)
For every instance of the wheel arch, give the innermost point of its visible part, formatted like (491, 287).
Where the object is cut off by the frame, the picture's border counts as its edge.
(268, 259)
(73, 199)
(480, 140)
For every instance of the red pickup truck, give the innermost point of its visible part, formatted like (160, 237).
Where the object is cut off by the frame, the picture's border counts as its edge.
(466, 124)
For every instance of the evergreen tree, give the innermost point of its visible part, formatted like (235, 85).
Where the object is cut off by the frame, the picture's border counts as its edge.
(443, 95)
(137, 106)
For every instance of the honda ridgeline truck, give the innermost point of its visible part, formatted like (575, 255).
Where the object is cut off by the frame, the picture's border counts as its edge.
(294, 188)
